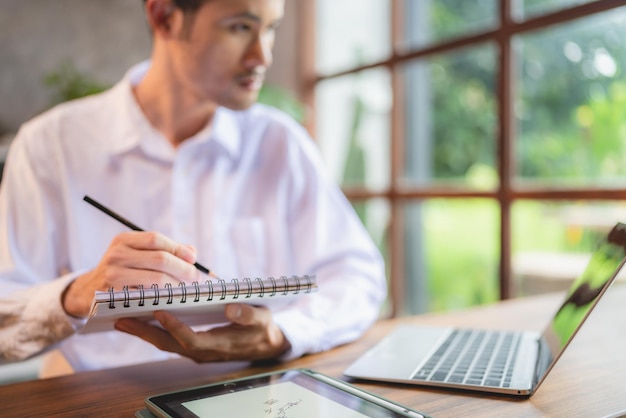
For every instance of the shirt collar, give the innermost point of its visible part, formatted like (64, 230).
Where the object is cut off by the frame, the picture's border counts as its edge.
(227, 129)
(135, 131)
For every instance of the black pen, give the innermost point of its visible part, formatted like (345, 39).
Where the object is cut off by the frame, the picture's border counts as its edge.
(132, 226)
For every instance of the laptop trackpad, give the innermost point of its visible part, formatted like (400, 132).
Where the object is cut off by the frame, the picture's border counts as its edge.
(398, 354)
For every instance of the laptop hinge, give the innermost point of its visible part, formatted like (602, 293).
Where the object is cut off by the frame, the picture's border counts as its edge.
(544, 359)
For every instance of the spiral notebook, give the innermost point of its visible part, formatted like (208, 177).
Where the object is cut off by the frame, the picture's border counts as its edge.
(195, 304)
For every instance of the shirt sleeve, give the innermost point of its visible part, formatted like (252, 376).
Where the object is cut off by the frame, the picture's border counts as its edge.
(33, 320)
(329, 240)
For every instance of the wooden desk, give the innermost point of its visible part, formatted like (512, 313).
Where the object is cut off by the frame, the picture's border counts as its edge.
(588, 381)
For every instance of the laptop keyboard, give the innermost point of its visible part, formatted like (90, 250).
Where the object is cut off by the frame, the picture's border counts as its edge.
(475, 357)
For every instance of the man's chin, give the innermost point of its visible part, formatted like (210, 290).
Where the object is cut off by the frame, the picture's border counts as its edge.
(241, 103)
(240, 106)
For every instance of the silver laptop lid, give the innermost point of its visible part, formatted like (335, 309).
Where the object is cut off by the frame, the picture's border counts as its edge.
(583, 295)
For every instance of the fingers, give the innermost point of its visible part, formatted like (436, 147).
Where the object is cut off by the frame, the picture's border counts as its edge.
(175, 337)
(251, 336)
(165, 338)
(174, 326)
(242, 314)
(154, 335)
(132, 258)
(148, 257)
(160, 251)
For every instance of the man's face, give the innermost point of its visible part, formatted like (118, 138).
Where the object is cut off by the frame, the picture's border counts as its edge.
(223, 53)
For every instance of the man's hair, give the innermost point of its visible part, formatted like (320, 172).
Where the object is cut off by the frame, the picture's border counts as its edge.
(187, 5)
(189, 8)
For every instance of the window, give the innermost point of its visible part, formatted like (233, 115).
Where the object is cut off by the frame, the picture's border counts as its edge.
(482, 142)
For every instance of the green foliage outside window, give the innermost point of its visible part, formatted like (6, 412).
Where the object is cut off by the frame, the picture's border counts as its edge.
(570, 129)
(67, 83)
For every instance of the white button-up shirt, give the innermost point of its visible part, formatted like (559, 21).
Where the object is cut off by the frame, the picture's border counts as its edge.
(249, 192)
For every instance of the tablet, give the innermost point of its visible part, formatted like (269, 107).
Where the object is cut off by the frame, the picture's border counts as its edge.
(296, 393)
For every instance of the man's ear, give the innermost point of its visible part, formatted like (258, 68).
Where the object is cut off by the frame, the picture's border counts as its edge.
(160, 15)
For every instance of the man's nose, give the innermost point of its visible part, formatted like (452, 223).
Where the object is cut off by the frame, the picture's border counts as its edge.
(259, 52)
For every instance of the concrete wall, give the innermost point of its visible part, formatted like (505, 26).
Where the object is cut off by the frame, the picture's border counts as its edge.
(102, 38)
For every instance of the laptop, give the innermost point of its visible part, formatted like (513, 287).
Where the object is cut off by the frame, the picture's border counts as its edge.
(501, 361)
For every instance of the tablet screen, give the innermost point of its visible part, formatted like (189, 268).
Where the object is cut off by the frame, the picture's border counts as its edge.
(289, 394)
(276, 401)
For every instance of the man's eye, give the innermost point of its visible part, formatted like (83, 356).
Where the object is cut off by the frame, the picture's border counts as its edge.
(240, 27)
(274, 27)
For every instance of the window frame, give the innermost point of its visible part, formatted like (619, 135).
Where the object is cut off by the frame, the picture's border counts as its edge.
(398, 193)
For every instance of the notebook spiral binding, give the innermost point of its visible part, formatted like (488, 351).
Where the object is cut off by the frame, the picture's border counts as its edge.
(223, 290)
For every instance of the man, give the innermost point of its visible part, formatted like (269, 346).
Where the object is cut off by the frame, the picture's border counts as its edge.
(178, 147)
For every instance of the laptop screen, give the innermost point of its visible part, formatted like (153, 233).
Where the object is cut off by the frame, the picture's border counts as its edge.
(585, 292)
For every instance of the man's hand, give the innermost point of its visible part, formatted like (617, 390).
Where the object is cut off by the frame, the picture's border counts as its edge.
(133, 258)
(252, 335)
